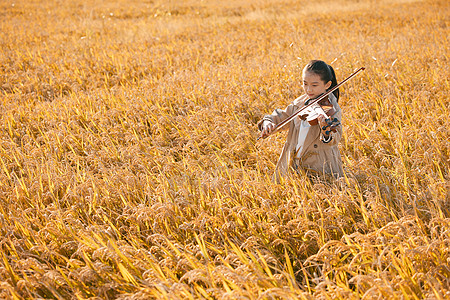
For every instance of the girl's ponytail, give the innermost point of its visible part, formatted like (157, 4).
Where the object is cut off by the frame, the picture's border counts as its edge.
(334, 83)
(326, 73)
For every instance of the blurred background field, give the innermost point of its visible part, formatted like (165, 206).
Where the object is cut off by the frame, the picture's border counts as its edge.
(129, 166)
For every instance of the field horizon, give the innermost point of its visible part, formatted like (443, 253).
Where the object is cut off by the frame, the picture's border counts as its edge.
(130, 166)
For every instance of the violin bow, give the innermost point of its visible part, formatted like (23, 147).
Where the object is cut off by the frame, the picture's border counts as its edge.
(312, 102)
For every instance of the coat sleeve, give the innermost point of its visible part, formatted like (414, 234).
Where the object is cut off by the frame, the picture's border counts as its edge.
(278, 116)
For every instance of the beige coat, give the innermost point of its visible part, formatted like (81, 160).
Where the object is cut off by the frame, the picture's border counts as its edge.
(316, 155)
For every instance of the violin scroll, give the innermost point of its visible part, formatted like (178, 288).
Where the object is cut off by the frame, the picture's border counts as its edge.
(331, 126)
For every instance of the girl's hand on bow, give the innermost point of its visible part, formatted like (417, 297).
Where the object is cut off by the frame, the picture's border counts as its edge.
(267, 129)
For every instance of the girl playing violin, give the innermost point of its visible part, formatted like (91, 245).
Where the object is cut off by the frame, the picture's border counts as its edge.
(310, 146)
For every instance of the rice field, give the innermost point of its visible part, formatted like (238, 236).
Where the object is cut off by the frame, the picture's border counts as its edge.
(130, 166)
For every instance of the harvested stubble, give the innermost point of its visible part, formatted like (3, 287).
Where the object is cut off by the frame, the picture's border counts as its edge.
(129, 167)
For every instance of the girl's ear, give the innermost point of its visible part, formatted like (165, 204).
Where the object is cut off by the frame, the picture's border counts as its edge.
(327, 85)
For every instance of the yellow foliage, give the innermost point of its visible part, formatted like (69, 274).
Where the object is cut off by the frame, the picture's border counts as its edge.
(129, 166)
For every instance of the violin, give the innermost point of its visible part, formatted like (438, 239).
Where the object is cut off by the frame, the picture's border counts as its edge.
(324, 108)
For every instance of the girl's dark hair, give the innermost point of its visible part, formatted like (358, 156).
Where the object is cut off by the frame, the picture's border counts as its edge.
(325, 71)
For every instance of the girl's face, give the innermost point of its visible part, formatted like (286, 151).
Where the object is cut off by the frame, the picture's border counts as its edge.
(313, 84)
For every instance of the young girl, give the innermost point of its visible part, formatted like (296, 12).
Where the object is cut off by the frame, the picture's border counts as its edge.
(309, 147)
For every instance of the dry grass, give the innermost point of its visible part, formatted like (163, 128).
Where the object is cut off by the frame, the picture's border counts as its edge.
(129, 166)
